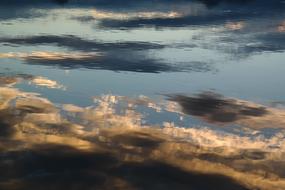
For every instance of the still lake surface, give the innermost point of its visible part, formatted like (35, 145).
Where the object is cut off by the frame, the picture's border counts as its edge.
(142, 94)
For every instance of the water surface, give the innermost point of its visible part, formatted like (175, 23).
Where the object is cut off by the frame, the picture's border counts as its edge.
(142, 95)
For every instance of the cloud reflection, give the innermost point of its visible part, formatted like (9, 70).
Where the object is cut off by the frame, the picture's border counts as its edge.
(76, 43)
(12, 80)
(215, 108)
(113, 62)
(97, 14)
(42, 81)
(112, 142)
(240, 21)
(281, 27)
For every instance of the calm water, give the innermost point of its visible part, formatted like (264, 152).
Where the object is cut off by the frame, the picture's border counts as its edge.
(158, 94)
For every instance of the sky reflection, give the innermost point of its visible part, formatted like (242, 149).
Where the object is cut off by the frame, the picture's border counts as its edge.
(105, 94)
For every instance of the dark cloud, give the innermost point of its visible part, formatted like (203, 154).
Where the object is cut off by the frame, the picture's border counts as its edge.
(217, 13)
(245, 42)
(12, 13)
(185, 21)
(272, 41)
(25, 9)
(262, 15)
(230, 10)
(77, 43)
(137, 139)
(117, 2)
(118, 56)
(211, 3)
(216, 108)
(27, 6)
(125, 62)
(31, 2)
(163, 176)
(110, 3)
(55, 167)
